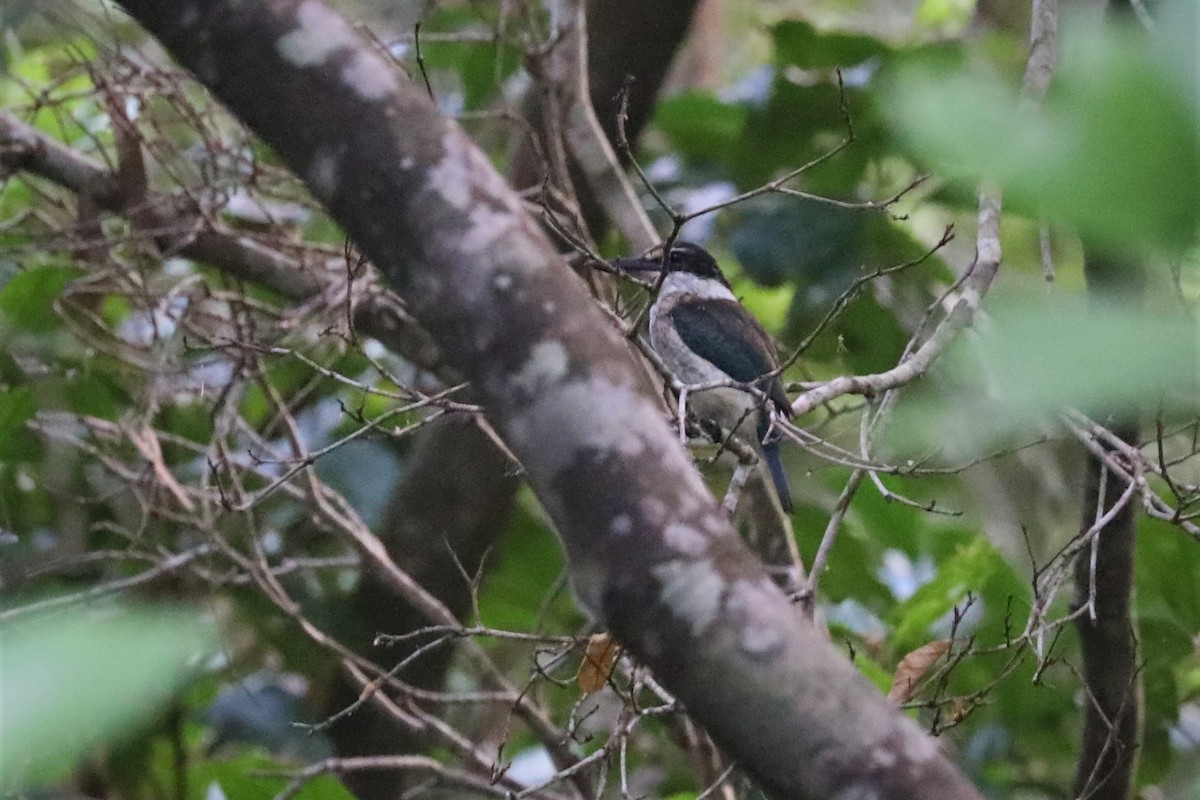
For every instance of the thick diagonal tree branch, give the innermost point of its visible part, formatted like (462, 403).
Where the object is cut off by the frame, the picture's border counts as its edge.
(650, 553)
(455, 495)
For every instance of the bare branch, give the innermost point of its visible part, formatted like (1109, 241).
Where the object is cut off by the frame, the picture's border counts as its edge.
(343, 766)
(651, 554)
(974, 286)
(378, 313)
(567, 66)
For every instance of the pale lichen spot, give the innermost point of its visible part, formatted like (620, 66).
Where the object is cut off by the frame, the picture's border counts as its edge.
(369, 76)
(503, 281)
(621, 525)
(621, 422)
(490, 231)
(654, 509)
(465, 177)
(407, 162)
(750, 601)
(547, 363)
(549, 306)
(882, 757)
(685, 539)
(918, 749)
(451, 176)
(857, 791)
(691, 493)
(692, 590)
(760, 640)
(319, 33)
(323, 172)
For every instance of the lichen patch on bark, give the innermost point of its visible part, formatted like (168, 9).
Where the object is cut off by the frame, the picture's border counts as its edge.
(685, 539)
(369, 76)
(750, 601)
(319, 33)
(323, 173)
(691, 589)
(547, 363)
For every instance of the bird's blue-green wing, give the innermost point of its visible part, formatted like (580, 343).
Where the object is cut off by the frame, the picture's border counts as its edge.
(726, 335)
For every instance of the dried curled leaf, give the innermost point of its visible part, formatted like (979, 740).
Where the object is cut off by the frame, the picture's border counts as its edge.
(599, 657)
(913, 667)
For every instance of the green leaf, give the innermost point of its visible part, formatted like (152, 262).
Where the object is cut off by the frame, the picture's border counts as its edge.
(945, 14)
(1037, 357)
(965, 571)
(28, 298)
(699, 125)
(1113, 151)
(877, 675)
(798, 124)
(71, 684)
(780, 238)
(242, 778)
(1168, 576)
(852, 571)
(481, 66)
(1047, 354)
(96, 393)
(801, 44)
(38, 68)
(17, 407)
(526, 564)
(1155, 756)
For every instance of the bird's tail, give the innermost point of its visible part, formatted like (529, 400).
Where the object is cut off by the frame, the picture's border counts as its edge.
(774, 461)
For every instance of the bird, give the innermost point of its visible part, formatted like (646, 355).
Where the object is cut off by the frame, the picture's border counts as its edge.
(704, 335)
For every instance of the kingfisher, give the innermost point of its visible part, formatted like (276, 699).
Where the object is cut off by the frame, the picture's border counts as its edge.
(704, 335)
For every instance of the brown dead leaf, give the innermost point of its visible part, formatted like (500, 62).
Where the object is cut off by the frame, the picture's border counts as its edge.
(913, 667)
(599, 658)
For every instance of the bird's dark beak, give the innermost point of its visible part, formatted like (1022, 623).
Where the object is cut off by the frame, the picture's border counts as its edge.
(651, 261)
(636, 264)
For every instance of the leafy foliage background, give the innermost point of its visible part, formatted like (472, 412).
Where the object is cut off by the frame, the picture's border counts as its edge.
(113, 353)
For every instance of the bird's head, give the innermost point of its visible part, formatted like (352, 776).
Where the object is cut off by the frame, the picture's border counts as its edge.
(682, 257)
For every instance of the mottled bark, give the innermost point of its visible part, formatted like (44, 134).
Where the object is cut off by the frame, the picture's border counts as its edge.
(651, 556)
(1104, 577)
(458, 489)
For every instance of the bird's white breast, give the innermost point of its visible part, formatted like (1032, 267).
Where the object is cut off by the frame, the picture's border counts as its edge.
(685, 283)
(726, 406)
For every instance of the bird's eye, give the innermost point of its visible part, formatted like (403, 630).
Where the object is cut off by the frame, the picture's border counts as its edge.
(676, 255)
